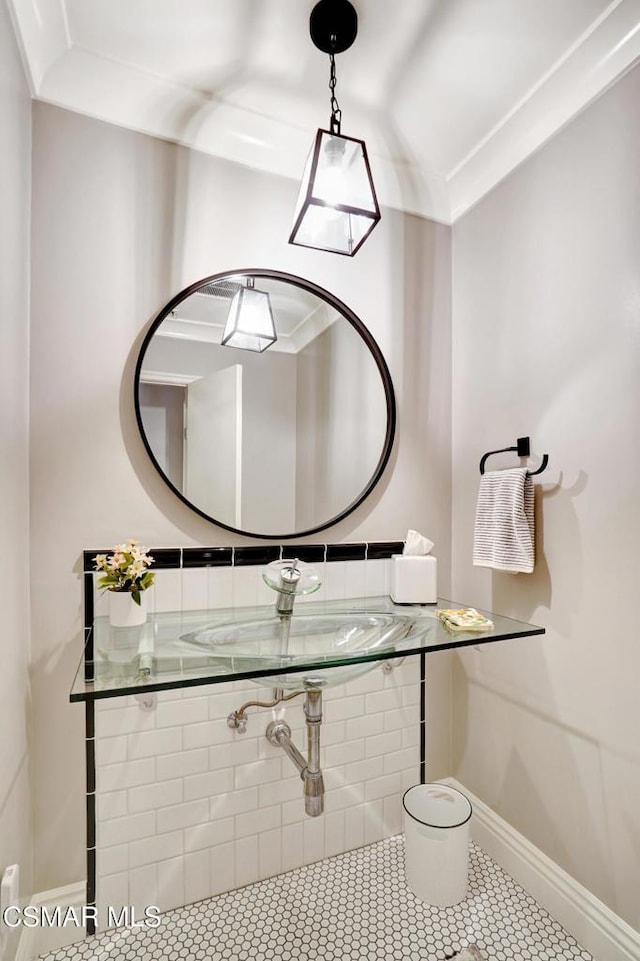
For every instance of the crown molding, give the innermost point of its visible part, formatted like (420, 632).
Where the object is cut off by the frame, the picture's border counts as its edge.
(69, 76)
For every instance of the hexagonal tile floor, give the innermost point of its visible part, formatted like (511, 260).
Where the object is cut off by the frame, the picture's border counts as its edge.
(351, 907)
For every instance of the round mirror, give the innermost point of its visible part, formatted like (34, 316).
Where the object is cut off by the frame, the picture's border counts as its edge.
(264, 403)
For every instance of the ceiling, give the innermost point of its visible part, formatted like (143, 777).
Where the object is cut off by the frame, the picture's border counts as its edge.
(450, 95)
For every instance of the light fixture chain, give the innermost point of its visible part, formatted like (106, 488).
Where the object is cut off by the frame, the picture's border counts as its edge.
(336, 112)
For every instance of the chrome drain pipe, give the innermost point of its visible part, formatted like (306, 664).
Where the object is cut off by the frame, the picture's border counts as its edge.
(279, 734)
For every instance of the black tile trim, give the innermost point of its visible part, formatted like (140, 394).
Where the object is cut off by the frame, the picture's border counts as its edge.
(90, 756)
(307, 553)
(91, 821)
(423, 719)
(89, 720)
(380, 550)
(91, 875)
(164, 557)
(187, 557)
(346, 552)
(88, 616)
(90, 780)
(89, 670)
(207, 556)
(246, 556)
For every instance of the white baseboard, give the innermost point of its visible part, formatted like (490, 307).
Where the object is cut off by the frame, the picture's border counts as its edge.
(595, 926)
(39, 940)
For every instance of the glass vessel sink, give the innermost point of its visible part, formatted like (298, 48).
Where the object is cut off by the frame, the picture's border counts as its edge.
(276, 643)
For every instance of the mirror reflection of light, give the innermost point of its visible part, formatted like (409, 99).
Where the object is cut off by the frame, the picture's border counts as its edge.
(250, 324)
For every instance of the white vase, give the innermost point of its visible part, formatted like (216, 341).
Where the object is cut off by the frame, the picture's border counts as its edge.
(123, 610)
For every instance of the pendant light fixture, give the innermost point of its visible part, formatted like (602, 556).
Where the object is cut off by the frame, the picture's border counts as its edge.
(337, 206)
(250, 323)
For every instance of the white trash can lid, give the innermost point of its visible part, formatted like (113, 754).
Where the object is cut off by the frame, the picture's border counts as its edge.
(437, 805)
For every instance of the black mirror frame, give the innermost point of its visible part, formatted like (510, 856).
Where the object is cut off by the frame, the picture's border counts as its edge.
(364, 334)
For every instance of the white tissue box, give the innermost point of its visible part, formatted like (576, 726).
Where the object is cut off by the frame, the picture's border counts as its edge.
(414, 579)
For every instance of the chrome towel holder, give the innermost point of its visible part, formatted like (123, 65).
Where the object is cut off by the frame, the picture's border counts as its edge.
(523, 449)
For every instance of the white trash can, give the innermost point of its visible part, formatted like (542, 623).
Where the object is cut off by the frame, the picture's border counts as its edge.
(436, 842)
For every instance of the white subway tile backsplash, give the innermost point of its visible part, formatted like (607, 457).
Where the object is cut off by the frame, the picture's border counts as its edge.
(195, 589)
(354, 827)
(373, 821)
(209, 784)
(402, 717)
(155, 848)
(183, 815)
(365, 726)
(236, 752)
(181, 765)
(113, 860)
(234, 802)
(205, 734)
(376, 578)
(254, 822)
(334, 585)
(381, 744)
(392, 812)
(113, 893)
(348, 707)
(292, 812)
(292, 847)
(110, 750)
(411, 736)
(344, 753)
(167, 591)
(365, 770)
(245, 587)
(143, 888)
(197, 876)
(226, 870)
(382, 701)
(219, 587)
(149, 798)
(356, 578)
(382, 787)
(152, 743)
(116, 777)
(335, 833)
(260, 772)
(208, 834)
(125, 720)
(270, 853)
(189, 710)
(123, 830)
(407, 759)
(247, 869)
(313, 839)
(188, 808)
(112, 805)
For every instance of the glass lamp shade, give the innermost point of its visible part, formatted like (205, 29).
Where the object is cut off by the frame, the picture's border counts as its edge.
(249, 323)
(337, 206)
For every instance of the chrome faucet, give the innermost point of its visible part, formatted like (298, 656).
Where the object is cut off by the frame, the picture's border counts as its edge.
(287, 589)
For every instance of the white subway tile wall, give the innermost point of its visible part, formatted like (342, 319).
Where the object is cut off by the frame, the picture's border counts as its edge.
(188, 808)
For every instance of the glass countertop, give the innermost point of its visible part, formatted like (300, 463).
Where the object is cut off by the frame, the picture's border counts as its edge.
(164, 653)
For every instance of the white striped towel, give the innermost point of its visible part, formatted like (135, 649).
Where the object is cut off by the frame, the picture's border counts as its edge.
(504, 528)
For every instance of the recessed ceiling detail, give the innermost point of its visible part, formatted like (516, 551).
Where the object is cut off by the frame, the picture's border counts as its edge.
(450, 95)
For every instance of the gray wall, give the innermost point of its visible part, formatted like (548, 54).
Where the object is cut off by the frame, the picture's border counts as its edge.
(15, 191)
(546, 297)
(121, 222)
